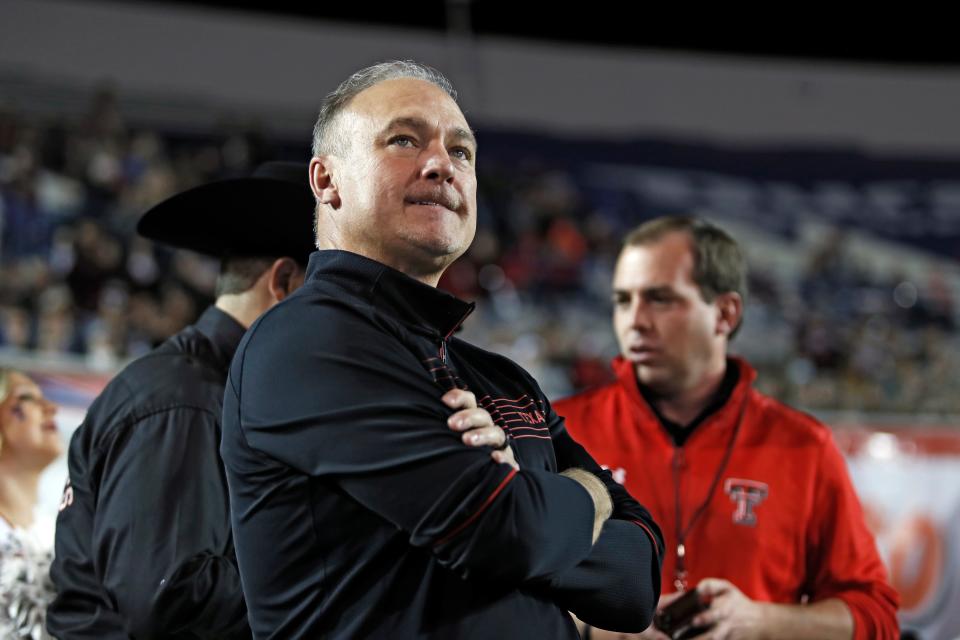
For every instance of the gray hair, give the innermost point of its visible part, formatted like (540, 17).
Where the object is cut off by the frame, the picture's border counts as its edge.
(335, 102)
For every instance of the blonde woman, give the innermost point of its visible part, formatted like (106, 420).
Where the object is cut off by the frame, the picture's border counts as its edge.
(29, 442)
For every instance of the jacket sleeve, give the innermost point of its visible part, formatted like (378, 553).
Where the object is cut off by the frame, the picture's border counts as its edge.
(617, 585)
(844, 562)
(354, 405)
(161, 541)
(571, 454)
(81, 608)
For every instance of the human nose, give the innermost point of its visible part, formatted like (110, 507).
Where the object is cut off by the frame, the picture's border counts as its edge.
(437, 165)
(50, 408)
(640, 315)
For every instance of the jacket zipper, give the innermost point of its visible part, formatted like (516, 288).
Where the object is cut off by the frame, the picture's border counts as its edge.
(443, 340)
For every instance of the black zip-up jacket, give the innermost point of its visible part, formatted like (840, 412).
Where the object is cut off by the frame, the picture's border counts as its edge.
(357, 513)
(143, 542)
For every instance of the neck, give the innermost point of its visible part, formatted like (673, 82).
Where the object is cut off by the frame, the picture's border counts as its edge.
(432, 279)
(684, 405)
(427, 275)
(425, 271)
(242, 307)
(18, 495)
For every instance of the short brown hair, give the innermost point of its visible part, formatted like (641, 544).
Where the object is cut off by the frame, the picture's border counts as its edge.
(718, 262)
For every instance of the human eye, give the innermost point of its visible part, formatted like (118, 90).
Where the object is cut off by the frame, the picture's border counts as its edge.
(620, 298)
(25, 398)
(660, 297)
(402, 140)
(462, 153)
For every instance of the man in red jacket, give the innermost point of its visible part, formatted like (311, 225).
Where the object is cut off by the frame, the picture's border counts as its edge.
(756, 506)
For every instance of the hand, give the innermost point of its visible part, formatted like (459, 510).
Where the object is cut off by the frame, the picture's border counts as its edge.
(649, 634)
(731, 616)
(477, 426)
(652, 633)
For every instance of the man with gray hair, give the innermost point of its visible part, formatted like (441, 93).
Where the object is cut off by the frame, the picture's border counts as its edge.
(388, 480)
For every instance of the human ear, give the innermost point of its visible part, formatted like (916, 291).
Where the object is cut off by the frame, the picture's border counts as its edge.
(280, 280)
(322, 183)
(730, 312)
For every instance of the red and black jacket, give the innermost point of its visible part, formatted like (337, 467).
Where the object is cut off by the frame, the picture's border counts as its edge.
(358, 513)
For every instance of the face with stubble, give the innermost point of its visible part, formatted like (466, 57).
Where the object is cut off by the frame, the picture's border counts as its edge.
(401, 186)
(671, 334)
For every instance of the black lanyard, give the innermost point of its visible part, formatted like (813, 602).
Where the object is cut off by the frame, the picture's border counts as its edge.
(680, 572)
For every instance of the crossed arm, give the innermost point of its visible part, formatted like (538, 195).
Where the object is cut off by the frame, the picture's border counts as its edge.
(373, 423)
(615, 586)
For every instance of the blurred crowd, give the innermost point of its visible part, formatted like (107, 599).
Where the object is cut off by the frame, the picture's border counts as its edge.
(75, 279)
(74, 276)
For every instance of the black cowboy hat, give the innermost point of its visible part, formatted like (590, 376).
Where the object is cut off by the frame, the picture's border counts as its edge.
(267, 214)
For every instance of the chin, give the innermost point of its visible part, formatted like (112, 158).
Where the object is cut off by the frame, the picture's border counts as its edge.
(53, 450)
(443, 250)
(655, 378)
(448, 236)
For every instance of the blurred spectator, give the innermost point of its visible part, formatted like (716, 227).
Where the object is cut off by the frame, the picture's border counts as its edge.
(74, 278)
(29, 442)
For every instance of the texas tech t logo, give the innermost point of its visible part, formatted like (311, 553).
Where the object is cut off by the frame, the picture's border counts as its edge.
(746, 494)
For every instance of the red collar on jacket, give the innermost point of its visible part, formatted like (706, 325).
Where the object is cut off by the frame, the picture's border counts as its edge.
(627, 379)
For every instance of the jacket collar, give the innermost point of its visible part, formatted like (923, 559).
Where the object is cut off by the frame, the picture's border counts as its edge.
(390, 290)
(627, 379)
(222, 331)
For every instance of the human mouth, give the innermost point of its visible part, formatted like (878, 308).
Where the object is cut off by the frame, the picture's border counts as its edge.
(641, 354)
(440, 202)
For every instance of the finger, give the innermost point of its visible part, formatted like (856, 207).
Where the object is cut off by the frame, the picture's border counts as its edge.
(708, 634)
(505, 457)
(484, 437)
(720, 631)
(708, 618)
(467, 419)
(459, 399)
(667, 598)
(713, 587)
(716, 616)
(650, 634)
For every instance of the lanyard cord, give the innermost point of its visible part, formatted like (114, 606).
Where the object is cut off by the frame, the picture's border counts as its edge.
(680, 581)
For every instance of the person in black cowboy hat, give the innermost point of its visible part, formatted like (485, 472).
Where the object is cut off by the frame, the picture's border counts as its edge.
(143, 541)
